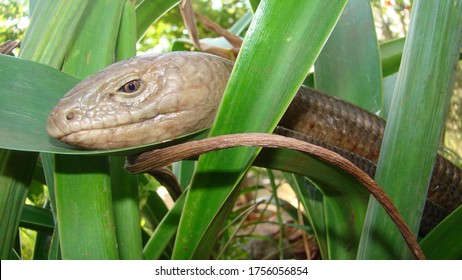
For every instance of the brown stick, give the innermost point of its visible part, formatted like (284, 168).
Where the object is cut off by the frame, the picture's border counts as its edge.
(234, 40)
(165, 156)
(9, 46)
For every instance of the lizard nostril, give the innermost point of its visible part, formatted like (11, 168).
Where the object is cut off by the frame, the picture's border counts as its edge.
(70, 116)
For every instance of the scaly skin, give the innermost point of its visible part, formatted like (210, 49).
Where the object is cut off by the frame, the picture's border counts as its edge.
(178, 93)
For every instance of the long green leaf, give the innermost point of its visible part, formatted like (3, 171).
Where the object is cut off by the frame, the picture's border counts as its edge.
(126, 39)
(83, 199)
(349, 64)
(149, 11)
(312, 201)
(444, 242)
(270, 68)
(94, 44)
(414, 125)
(50, 33)
(83, 182)
(124, 185)
(126, 210)
(47, 160)
(166, 230)
(391, 53)
(349, 67)
(16, 170)
(38, 219)
(40, 91)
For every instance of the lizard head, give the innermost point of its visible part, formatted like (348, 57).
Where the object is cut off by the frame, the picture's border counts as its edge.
(144, 99)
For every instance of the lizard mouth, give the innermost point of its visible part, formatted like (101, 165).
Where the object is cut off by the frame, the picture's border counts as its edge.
(121, 136)
(149, 130)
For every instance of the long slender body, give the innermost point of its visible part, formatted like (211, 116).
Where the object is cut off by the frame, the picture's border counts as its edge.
(157, 98)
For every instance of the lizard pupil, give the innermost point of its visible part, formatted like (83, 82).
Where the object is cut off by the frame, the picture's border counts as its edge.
(130, 87)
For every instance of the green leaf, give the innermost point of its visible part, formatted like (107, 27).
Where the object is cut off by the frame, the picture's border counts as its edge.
(349, 67)
(148, 11)
(241, 24)
(16, 172)
(47, 160)
(312, 201)
(184, 171)
(270, 68)
(38, 86)
(415, 121)
(126, 39)
(154, 209)
(94, 48)
(391, 53)
(51, 31)
(83, 200)
(126, 210)
(124, 185)
(444, 242)
(166, 230)
(349, 64)
(38, 219)
(84, 182)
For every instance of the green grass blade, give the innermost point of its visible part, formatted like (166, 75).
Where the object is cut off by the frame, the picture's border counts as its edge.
(124, 185)
(51, 30)
(184, 171)
(126, 210)
(83, 200)
(254, 4)
(165, 231)
(389, 84)
(32, 4)
(16, 170)
(48, 165)
(149, 11)
(414, 125)
(312, 201)
(241, 24)
(154, 210)
(349, 67)
(270, 68)
(47, 160)
(126, 40)
(349, 64)
(391, 53)
(444, 242)
(94, 43)
(83, 182)
(38, 219)
(55, 247)
(36, 86)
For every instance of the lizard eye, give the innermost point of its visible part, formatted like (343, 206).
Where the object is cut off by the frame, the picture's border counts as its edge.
(130, 87)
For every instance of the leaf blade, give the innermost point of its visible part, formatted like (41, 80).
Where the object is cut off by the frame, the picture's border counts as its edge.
(275, 34)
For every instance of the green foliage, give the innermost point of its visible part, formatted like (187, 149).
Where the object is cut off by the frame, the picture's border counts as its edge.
(408, 145)
(91, 195)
